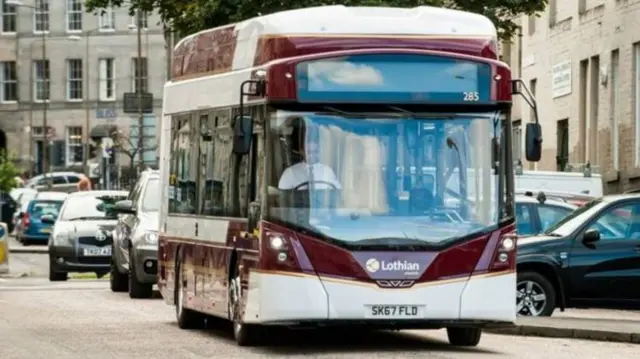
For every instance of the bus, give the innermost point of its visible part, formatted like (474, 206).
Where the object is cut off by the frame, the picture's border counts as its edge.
(341, 166)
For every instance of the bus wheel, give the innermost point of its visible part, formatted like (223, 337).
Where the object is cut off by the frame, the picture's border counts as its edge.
(187, 318)
(245, 334)
(464, 337)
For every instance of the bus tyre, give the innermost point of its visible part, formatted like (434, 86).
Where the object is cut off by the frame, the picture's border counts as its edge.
(244, 334)
(117, 281)
(464, 337)
(137, 289)
(187, 318)
(535, 295)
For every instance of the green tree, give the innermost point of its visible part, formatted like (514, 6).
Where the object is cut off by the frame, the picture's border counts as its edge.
(189, 16)
(8, 172)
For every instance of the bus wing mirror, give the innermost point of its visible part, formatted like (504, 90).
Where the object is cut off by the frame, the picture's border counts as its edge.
(242, 134)
(533, 144)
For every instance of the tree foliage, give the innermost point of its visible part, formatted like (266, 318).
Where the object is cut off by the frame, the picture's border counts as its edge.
(189, 16)
(125, 145)
(8, 172)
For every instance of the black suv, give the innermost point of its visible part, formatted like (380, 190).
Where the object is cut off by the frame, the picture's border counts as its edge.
(591, 258)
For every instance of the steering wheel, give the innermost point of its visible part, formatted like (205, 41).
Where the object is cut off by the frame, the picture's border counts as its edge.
(306, 183)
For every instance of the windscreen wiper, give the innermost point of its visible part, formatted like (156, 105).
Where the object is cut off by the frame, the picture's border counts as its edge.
(391, 242)
(87, 218)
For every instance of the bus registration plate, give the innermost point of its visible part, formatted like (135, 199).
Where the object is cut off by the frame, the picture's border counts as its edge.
(394, 311)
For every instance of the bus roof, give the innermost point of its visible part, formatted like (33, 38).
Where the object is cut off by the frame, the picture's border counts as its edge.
(259, 40)
(209, 66)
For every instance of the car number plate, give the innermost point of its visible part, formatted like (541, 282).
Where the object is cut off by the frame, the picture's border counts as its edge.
(394, 311)
(45, 230)
(96, 252)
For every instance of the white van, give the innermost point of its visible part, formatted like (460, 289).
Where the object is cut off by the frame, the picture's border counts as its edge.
(566, 182)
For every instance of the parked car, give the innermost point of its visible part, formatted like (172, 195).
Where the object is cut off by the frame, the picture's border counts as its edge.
(135, 242)
(60, 181)
(32, 229)
(567, 197)
(26, 225)
(82, 236)
(536, 215)
(7, 207)
(23, 198)
(589, 258)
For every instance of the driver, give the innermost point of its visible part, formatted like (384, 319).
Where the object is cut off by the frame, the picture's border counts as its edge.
(309, 169)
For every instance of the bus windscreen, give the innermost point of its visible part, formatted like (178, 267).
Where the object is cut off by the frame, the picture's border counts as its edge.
(394, 78)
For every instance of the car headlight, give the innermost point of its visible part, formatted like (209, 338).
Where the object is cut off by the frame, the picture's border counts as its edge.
(151, 237)
(62, 239)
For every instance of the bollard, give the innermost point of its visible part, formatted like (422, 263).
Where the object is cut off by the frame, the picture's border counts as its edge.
(4, 248)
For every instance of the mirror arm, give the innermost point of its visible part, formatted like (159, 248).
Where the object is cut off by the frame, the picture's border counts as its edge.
(526, 96)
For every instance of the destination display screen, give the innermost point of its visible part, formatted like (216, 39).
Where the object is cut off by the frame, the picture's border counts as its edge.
(394, 78)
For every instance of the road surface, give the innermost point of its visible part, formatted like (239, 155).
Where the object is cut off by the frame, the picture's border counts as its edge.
(83, 319)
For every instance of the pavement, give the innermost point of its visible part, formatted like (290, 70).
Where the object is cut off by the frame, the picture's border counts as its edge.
(17, 247)
(82, 319)
(589, 324)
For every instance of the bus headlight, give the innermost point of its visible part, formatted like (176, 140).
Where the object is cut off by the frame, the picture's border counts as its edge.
(276, 242)
(151, 237)
(508, 243)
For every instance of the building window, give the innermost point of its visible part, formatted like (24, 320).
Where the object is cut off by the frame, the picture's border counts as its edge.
(517, 140)
(144, 19)
(74, 15)
(636, 58)
(74, 79)
(8, 81)
(107, 20)
(613, 107)
(139, 81)
(73, 146)
(42, 79)
(41, 16)
(8, 18)
(107, 80)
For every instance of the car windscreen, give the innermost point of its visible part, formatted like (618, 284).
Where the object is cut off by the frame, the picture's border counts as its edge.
(151, 197)
(41, 207)
(90, 207)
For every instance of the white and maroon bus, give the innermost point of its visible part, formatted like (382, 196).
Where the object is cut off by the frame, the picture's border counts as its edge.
(341, 166)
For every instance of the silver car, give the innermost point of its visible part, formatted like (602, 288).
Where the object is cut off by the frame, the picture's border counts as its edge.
(135, 243)
(82, 235)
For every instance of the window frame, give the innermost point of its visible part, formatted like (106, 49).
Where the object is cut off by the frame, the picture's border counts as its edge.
(107, 20)
(104, 81)
(44, 81)
(71, 145)
(70, 11)
(71, 80)
(3, 19)
(143, 78)
(4, 82)
(42, 8)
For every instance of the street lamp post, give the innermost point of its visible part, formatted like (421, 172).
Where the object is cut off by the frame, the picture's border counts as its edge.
(45, 105)
(87, 113)
(139, 92)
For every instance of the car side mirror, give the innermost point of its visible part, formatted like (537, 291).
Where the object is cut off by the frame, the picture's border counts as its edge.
(48, 219)
(590, 237)
(125, 206)
(533, 144)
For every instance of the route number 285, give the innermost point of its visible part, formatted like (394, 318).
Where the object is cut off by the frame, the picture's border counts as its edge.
(471, 96)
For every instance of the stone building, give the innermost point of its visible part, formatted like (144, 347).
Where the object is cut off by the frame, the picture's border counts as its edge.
(581, 59)
(89, 63)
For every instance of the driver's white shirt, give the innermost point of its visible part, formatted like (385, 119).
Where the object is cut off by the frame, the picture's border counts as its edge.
(299, 174)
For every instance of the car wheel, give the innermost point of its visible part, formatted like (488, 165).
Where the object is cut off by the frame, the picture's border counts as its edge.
(244, 334)
(56, 276)
(535, 295)
(187, 318)
(118, 281)
(464, 337)
(137, 289)
(10, 227)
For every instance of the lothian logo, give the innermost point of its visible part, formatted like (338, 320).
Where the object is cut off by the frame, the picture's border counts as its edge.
(373, 265)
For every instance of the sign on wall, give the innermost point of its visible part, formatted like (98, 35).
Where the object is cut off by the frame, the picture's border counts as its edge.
(561, 79)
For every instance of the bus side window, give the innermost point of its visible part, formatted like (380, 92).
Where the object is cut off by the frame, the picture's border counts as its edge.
(216, 153)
